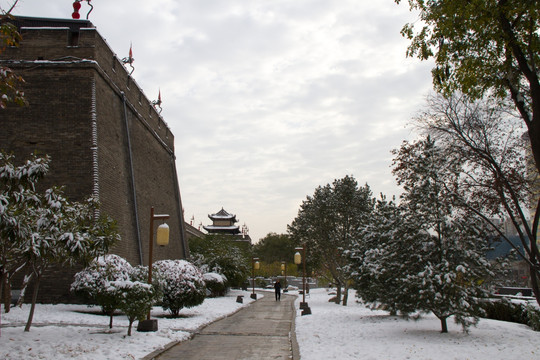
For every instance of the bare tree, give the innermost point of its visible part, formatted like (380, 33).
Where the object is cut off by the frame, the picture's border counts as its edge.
(495, 181)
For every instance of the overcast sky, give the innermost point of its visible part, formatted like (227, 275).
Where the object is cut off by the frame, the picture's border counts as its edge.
(267, 99)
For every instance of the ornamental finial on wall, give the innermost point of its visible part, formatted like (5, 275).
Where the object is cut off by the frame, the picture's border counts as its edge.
(77, 7)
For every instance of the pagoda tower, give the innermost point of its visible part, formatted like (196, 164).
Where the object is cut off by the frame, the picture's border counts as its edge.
(224, 223)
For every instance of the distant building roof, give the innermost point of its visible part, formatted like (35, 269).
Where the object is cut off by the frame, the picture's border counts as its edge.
(222, 215)
(212, 228)
(223, 223)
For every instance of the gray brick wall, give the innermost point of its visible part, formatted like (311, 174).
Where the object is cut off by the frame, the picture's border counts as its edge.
(79, 97)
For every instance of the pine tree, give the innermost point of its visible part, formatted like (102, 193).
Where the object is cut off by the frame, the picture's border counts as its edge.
(425, 254)
(328, 222)
(448, 243)
(375, 257)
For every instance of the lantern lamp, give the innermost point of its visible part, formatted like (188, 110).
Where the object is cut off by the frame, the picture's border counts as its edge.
(297, 258)
(162, 237)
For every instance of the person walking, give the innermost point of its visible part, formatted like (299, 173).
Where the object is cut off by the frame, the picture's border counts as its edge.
(277, 287)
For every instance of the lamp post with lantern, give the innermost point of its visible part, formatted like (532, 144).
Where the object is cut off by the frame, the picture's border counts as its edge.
(254, 266)
(301, 259)
(284, 273)
(162, 239)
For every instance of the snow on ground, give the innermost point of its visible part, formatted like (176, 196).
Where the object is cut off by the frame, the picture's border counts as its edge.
(354, 332)
(331, 332)
(80, 332)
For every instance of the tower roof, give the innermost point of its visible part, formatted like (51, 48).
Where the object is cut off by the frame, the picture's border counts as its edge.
(222, 215)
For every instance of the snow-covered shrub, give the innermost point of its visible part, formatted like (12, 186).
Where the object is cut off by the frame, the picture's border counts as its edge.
(506, 310)
(135, 299)
(92, 283)
(139, 273)
(215, 284)
(181, 283)
(533, 315)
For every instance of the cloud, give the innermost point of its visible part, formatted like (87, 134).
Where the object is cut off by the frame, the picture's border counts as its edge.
(268, 99)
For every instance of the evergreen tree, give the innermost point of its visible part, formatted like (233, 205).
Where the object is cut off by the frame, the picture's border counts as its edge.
(377, 257)
(447, 243)
(425, 254)
(452, 269)
(328, 222)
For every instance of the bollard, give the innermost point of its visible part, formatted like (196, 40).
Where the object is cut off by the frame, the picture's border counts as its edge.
(306, 311)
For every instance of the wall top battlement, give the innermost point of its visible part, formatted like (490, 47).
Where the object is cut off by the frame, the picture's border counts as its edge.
(33, 22)
(51, 42)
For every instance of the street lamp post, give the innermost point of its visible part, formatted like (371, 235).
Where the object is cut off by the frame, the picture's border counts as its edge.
(162, 239)
(254, 266)
(284, 272)
(301, 259)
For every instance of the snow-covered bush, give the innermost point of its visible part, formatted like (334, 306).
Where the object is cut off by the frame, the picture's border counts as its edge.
(139, 273)
(215, 284)
(533, 317)
(506, 310)
(92, 283)
(135, 299)
(181, 283)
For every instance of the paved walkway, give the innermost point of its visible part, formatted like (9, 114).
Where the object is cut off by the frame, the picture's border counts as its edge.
(262, 330)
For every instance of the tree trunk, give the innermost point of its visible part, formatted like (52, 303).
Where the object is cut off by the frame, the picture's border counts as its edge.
(111, 319)
(131, 320)
(338, 292)
(346, 294)
(534, 137)
(26, 281)
(33, 307)
(444, 327)
(535, 256)
(5, 290)
(534, 283)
